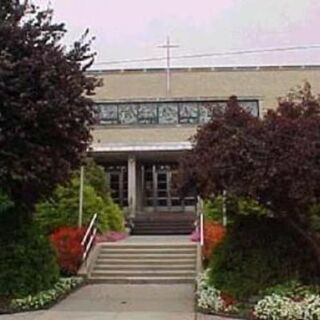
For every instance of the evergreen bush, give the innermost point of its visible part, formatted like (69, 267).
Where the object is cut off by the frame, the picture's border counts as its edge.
(27, 262)
(259, 252)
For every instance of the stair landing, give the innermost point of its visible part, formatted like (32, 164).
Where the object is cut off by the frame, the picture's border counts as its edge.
(164, 223)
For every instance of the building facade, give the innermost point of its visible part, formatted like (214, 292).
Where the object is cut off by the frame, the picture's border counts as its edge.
(144, 128)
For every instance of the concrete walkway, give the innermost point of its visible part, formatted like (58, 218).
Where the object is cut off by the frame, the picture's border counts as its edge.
(122, 302)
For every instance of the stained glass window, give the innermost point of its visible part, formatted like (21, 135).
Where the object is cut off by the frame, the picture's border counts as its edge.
(188, 113)
(168, 113)
(179, 112)
(147, 113)
(128, 113)
(108, 113)
(251, 106)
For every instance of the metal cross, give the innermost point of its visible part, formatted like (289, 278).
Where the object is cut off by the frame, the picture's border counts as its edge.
(168, 46)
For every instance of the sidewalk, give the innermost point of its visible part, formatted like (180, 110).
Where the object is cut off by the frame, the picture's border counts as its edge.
(121, 302)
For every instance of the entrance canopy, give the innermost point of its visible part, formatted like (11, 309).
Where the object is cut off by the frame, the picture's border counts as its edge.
(125, 147)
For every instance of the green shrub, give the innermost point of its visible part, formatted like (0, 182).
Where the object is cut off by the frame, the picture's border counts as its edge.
(115, 215)
(257, 253)
(213, 208)
(27, 262)
(5, 203)
(95, 176)
(62, 210)
(292, 289)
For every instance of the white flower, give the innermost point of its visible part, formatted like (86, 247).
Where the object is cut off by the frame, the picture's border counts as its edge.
(277, 307)
(209, 297)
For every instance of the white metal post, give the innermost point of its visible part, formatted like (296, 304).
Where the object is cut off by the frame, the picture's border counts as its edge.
(81, 196)
(224, 209)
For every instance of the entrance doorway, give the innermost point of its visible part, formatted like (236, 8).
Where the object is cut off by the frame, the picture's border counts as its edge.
(160, 191)
(117, 178)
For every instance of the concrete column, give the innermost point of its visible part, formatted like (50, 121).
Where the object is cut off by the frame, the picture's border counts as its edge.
(132, 185)
(139, 185)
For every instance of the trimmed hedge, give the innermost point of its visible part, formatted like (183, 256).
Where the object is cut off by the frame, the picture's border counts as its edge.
(257, 253)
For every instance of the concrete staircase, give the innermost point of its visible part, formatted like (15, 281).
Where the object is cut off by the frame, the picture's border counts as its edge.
(140, 263)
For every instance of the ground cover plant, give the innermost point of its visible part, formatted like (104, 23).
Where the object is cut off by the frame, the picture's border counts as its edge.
(46, 298)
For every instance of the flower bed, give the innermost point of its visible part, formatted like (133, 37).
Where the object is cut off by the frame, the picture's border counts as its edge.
(213, 233)
(277, 307)
(111, 236)
(47, 298)
(212, 300)
(67, 243)
(290, 301)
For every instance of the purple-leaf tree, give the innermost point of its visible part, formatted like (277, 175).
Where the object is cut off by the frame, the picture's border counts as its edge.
(274, 160)
(45, 106)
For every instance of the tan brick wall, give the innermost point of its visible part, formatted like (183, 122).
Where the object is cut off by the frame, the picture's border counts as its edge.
(265, 84)
(142, 135)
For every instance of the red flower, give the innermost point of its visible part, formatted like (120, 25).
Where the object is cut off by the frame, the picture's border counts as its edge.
(67, 243)
(227, 299)
(213, 233)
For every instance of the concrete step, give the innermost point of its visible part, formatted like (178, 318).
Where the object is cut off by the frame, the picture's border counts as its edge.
(164, 223)
(164, 231)
(145, 267)
(135, 245)
(111, 251)
(155, 232)
(164, 228)
(149, 256)
(142, 280)
(142, 273)
(150, 262)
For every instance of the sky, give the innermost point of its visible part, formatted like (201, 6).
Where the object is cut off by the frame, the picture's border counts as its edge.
(134, 29)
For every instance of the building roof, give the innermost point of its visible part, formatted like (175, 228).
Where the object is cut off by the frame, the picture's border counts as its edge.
(210, 69)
